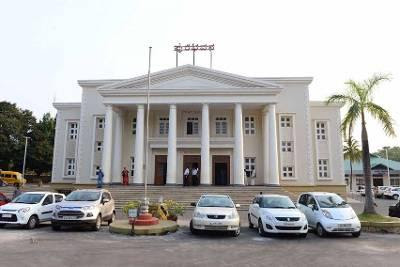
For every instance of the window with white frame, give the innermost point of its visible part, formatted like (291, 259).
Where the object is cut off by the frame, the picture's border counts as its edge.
(134, 126)
(192, 126)
(164, 125)
(100, 123)
(288, 171)
(287, 146)
(249, 125)
(221, 126)
(99, 146)
(132, 166)
(323, 170)
(286, 121)
(73, 130)
(250, 166)
(70, 167)
(321, 130)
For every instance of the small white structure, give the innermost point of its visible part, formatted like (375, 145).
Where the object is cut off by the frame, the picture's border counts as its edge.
(225, 124)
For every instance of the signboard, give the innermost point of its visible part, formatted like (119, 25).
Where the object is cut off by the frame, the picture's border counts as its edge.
(132, 213)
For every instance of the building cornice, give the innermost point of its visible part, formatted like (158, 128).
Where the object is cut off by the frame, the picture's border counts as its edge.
(323, 104)
(97, 83)
(66, 105)
(296, 80)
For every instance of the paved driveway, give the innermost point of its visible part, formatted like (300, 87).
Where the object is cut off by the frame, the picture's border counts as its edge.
(42, 247)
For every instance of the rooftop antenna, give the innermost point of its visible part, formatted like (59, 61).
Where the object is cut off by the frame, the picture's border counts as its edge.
(193, 47)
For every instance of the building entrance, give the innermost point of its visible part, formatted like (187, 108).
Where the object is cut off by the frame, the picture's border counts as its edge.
(191, 162)
(221, 170)
(160, 174)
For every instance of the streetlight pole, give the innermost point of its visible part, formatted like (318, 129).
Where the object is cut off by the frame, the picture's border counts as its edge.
(387, 165)
(26, 148)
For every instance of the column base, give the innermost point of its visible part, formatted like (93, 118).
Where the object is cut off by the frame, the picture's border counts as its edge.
(172, 184)
(238, 185)
(272, 185)
(137, 184)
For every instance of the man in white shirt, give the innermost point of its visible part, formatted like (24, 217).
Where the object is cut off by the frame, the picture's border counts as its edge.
(186, 177)
(194, 176)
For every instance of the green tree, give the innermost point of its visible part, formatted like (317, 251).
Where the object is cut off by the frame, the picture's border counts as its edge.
(359, 99)
(351, 152)
(15, 124)
(393, 152)
(41, 145)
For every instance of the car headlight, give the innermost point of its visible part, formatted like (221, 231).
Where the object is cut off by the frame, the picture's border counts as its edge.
(233, 215)
(58, 207)
(24, 210)
(327, 214)
(199, 215)
(269, 217)
(88, 207)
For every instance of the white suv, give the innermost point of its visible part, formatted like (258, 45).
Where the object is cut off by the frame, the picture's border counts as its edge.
(84, 207)
(276, 214)
(30, 209)
(329, 213)
(392, 192)
(215, 213)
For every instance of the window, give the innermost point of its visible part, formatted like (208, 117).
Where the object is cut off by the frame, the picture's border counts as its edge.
(106, 196)
(100, 123)
(164, 126)
(303, 200)
(321, 130)
(70, 167)
(287, 146)
(132, 166)
(323, 168)
(134, 126)
(73, 130)
(221, 125)
(250, 166)
(287, 171)
(48, 200)
(192, 126)
(59, 198)
(99, 146)
(249, 125)
(286, 121)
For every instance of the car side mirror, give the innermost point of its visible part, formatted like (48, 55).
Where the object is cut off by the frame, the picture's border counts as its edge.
(312, 206)
(256, 205)
(105, 200)
(237, 205)
(193, 204)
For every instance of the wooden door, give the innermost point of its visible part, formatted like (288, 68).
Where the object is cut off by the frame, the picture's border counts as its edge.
(221, 170)
(160, 173)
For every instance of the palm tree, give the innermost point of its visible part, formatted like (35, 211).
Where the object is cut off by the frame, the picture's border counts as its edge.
(359, 99)
(352, 153)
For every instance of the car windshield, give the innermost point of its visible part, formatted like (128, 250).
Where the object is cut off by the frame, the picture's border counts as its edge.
(83, 196)
(216, 201)
(277, 203)
(28, 198)
(331, 201)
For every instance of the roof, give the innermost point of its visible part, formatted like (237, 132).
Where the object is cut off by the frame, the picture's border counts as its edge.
(375, 162)
(270, 195)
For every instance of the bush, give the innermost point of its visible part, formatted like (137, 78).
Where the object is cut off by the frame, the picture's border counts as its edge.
(130, 205)
(174, 208)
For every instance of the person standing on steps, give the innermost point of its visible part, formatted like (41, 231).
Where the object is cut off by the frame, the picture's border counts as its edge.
(100, 176)
(186, 174)
(125, 176)
(194, 176)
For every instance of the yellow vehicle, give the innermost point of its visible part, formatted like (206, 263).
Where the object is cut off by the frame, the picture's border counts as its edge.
(12, 178)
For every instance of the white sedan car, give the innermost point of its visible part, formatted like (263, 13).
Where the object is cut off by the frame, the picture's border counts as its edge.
(30, 209)
(276, 214)
(215, 213)
(329, 213)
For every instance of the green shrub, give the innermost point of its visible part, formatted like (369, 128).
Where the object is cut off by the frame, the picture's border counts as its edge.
(135, 204)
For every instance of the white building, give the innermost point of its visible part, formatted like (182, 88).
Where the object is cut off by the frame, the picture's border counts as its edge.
(220, 122)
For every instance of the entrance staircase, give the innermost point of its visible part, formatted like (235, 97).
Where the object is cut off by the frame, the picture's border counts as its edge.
(242, 195)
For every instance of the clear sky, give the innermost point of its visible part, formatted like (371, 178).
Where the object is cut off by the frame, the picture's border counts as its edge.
(46, 46)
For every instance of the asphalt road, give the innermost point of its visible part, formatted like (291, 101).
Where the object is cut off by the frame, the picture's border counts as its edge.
(42, 247)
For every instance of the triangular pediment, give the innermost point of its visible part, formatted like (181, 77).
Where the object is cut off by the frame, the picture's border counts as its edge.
(190, 77)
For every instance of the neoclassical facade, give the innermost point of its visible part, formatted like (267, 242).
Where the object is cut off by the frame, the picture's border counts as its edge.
(234, 129)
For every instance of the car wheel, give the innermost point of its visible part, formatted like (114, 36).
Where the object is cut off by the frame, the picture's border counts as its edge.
(251, 226)
(56, 227)
(303, 235)
(2, 225)
(112, 218)
(236, 233)
(395, 197)
(192, 230)
(32, 222)
(320, 231)
(261, 231)
(356, 234)
(97, 225)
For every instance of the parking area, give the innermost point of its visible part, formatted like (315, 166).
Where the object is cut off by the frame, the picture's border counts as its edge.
(42, 247)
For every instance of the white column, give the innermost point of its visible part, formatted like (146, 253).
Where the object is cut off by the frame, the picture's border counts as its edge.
(205, 146)
(107, 149)
(138, 177)
(265, 144)
(273, 146)
(117, 162)
(238, 178)
(171, 160)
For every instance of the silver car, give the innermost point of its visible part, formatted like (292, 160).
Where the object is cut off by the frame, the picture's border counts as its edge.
(88, 207)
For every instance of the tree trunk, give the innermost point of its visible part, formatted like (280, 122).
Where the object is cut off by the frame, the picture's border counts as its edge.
(369, 200)
(351, 176)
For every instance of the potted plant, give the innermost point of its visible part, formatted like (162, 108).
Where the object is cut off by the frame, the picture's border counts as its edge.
(135, 204)
(174, 209)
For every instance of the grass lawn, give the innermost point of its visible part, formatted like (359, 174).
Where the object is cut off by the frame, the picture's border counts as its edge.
(377, 218)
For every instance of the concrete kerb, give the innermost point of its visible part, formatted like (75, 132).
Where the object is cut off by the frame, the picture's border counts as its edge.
(381, 227)
(123, 227)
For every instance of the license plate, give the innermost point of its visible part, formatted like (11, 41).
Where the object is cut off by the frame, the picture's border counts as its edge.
(344, 225)
(6, 215)
(215, 223)
(69, 217)
(288, 223)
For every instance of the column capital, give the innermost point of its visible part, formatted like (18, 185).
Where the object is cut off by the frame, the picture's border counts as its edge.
(172, 106)
(140, 106)
(268, 107)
